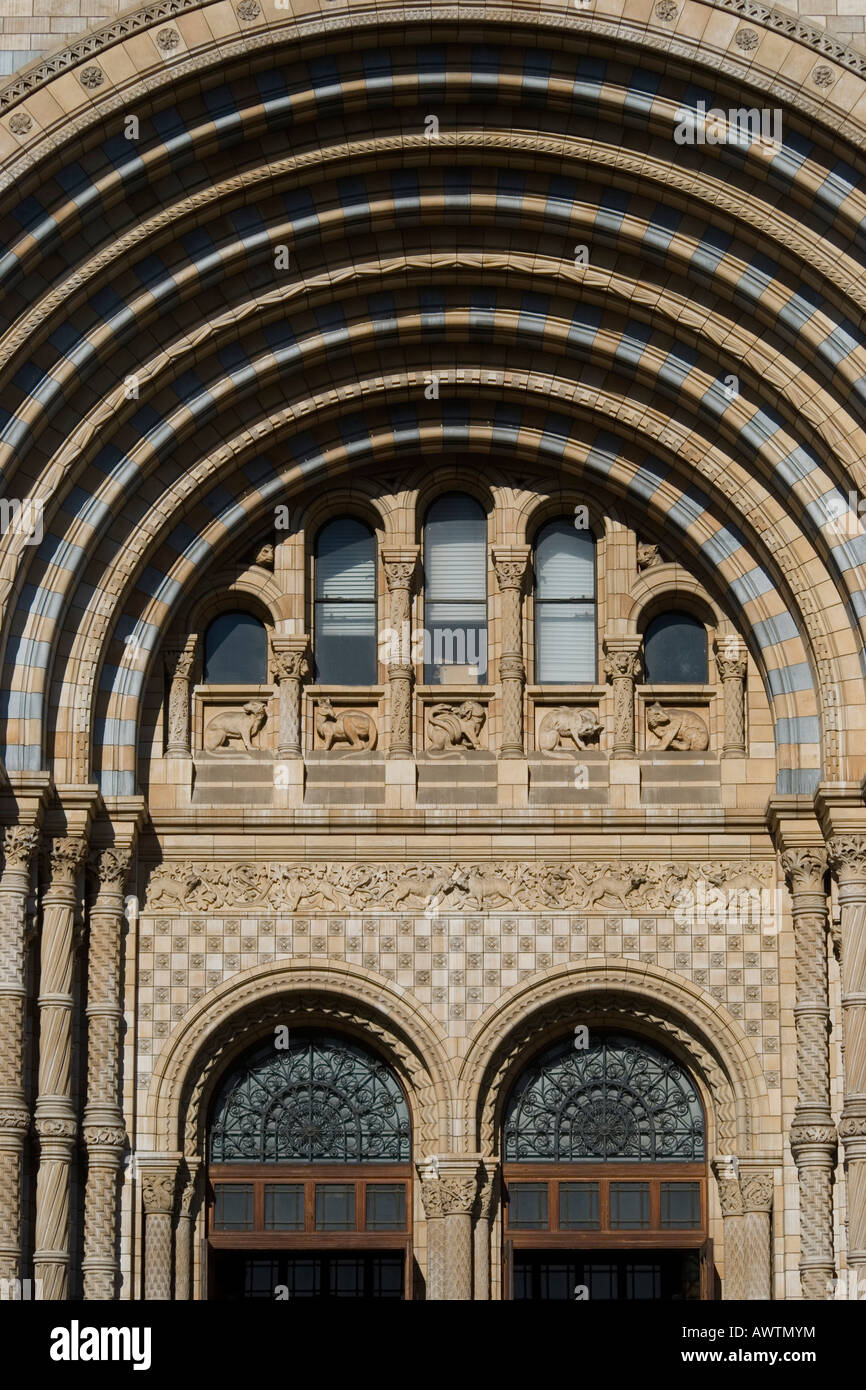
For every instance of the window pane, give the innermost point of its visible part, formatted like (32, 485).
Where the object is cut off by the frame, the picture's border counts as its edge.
(236, 651)
(643, 1280)
(564, 562)
(386, 1207)
(675, 650)
(455, 595)
(527, 1206)
(680, 1205)
(345, 616)
(578, 1206)
(335, 1207)
(565, 645)
(629, 1206)
(233, 1207)
(284, 1207)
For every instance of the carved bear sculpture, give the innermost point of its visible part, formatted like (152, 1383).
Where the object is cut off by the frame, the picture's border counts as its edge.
(240, 725)
(579, 725)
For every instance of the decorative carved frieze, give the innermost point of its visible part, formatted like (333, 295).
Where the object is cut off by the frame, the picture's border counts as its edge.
(521, 886)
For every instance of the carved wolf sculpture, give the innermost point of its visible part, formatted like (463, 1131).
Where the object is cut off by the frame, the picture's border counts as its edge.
(235, 724)
(613, 886)
(352, 726)
(579, 725)
(677, 728)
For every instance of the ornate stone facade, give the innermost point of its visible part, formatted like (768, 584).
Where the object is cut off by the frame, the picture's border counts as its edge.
(458, 853)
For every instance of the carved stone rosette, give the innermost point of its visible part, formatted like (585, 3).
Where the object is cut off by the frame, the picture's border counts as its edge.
(290, 660)
(159, 1174)
(103, 1126)
(511, 565)
(20, 843)
(623, 666)
(401, 566)
(813, 1135)
(848, 861)
(179, 658)
(55, 1112)
(732, 665)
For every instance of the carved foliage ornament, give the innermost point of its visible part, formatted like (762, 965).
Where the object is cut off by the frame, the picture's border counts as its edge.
(20, 843)
(804, 870)
(66, 856)
(111, 867)
(848, 852)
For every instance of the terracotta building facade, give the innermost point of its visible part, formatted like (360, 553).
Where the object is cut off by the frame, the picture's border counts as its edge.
(433, 605)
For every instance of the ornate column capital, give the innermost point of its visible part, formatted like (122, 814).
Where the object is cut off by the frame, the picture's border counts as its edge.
(109, 869)
(179, 655)
(804, 869)
(511, 563)
(66, 857)
(731, 658)
(20, 844)
(847, 856)
(290, 657)
(725, 1170)
(757, 1190)
(401, 566)
(159, 1174)
(622, 656)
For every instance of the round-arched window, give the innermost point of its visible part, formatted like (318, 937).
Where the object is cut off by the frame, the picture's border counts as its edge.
(619, 1098)
(675, 650)
(321, 1099)
(236, 650)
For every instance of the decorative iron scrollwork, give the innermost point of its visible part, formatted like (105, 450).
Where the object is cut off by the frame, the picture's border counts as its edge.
(619, 1098)
(322, 1099)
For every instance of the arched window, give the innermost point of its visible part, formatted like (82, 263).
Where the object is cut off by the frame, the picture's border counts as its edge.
(565, 636)
(455, 594)
(309, 1151)
(675, 650)
(618, 1098)
(345, 618)
(236, 651)
(604, 1149)
(321, 1099)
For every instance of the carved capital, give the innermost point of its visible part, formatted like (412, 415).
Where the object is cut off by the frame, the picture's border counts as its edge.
(511, 564)
(110, 868)
(806, 1137)
(622, 658)
(66, 857)
(852, 1127)
(20, 843)
(179, 657)
(730, 1197)
(847, 854)
(158, 1190)
(56, 1127)
(103, 1136)
(14, 1119)
(290, 658)
(804, 870)
(458, 1195)
(757, 1189)
(431, 1197)
(401, 567)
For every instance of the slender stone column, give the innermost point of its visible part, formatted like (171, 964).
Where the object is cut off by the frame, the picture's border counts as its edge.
(400, 569)
(103, 1126)
(731, 1201)
(158, 1185)
(19, 846)
(186, 1217)
(510, 563)
(290, 666)
(813, 1134)
(732, 664)
(179, 658)
(55, 1113)
(488, 1198)
(431, 1197)
(458, 1184)
(848, 859)
(757, 1190)
(622, 666)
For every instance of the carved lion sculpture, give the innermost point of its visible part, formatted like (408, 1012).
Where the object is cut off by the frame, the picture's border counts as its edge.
(352, 726)
(450, 727)
(581, 726)
(239, 725)
(677, 728)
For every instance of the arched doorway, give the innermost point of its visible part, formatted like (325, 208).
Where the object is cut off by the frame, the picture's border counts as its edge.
(605, 1175)
(309, 1174)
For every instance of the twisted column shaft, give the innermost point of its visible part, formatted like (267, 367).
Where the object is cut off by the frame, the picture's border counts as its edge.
(19, 846)
(55, 1113)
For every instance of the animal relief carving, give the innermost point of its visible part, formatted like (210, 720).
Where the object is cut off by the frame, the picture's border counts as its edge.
(558, 727)
(454, 727)
(353, 726)
(679, 729)
(235, 726)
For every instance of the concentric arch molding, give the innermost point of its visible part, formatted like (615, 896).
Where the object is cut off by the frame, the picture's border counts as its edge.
(652, 1000)
(305, 993)
(271, 28)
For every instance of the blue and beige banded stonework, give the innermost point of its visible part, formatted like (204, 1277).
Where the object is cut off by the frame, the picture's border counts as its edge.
(241, 271)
